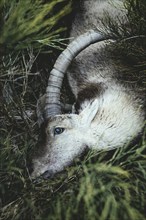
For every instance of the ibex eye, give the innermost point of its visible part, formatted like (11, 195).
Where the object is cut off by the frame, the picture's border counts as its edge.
(58, 130)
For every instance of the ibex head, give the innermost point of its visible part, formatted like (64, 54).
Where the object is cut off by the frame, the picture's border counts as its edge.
(108, 119)
(66, 136)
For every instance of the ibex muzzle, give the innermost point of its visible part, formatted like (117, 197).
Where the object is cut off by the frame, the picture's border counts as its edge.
(106, 115)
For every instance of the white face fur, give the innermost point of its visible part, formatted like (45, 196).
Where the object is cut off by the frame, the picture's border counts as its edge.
(67, 136)
(108, 122)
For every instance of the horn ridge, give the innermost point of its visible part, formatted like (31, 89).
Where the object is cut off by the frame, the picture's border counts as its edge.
(61, 65)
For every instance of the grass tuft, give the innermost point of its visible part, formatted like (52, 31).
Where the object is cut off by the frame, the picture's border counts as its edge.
(30, 23)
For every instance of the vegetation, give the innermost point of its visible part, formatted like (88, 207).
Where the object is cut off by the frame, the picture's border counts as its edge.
(105, 185)
(29, 23)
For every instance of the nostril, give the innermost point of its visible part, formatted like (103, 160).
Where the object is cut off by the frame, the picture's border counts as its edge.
(47, 174)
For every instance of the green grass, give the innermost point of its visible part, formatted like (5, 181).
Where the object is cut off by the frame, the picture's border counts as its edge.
(104, 185)
(30, 23)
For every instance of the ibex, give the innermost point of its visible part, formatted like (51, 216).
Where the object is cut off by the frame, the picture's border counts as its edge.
(107, 114)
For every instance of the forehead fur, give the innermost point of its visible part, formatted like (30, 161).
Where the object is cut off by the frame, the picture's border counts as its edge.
(62, 120)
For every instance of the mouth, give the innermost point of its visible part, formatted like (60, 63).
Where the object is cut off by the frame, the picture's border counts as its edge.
(47, 175)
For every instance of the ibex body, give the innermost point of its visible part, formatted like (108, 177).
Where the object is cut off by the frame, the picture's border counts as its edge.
(106, 114)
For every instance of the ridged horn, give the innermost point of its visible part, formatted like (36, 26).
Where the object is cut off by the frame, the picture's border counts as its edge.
(53, 105)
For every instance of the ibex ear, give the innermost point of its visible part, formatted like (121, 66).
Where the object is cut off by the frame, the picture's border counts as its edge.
(89, 113)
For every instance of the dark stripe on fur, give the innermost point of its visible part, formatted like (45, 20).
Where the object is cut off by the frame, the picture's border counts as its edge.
(88, 92)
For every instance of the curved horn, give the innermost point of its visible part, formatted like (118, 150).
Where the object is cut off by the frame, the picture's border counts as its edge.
(53, 105)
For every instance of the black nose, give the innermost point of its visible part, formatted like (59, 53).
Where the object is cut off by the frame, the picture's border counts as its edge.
(47, 174)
